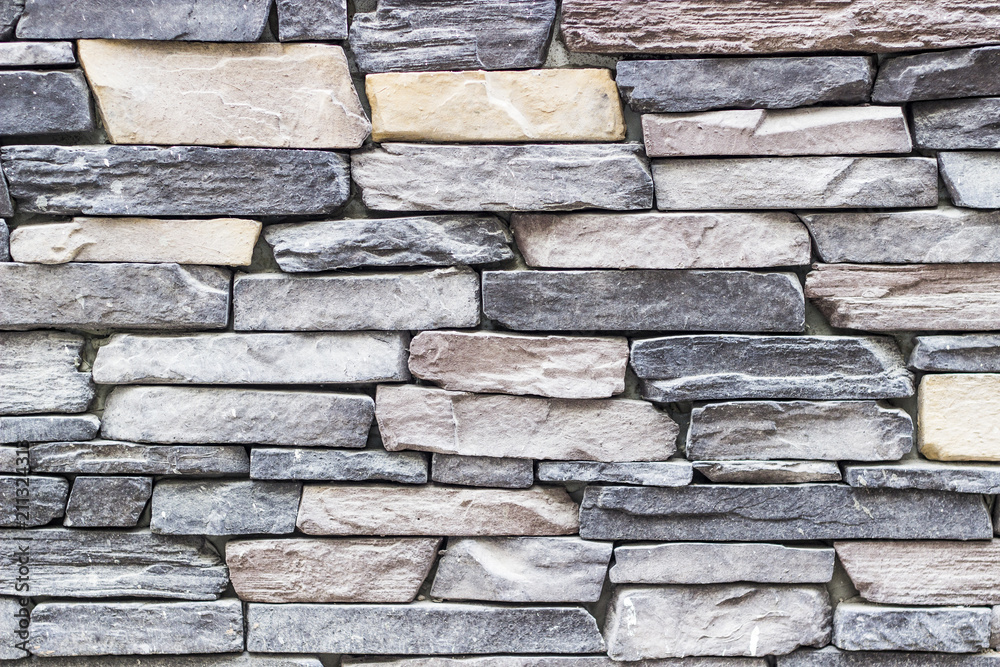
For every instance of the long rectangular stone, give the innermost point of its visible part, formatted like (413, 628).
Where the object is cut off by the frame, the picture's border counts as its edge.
(920, 297)
(971, 353)
(972, 177)
(692, 300)
(647, 473)
(177, 180)
(858, 626)
(107, 502)
(536, 661)
(36, 54)
(363, 465)
(53, 102)
(5, 209)
(330, 570)
(922, 474)
(422, 628)
(27, 501)
(452, 422)
(309, 20)
(38, 373)
(491, 471)
(203, 415)
(533, 177)
(414, 300)
(795, 182)
(834, 657)
(959, 417)
(714, 367)
(957, 124)
(654, 240)
(768, 472)
(436, 510)
(204, 660)
(721, 513)
(6, 205)
(239, 358)
(48, 428)
(938, 75)
(224, 507)
(107, 457)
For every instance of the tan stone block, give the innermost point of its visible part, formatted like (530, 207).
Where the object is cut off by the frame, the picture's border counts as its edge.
(958, 417)
(532, 105)
(266, 94)
(222, 241)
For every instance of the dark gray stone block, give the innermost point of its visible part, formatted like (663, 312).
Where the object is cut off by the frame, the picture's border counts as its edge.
(48, 428)
(972, 177)
(38, 371)
(108, 457)
(859, 626)
(10, 12)
(44, 103)
(645, 473)
(768, 472)
(304, 20)
(497, 472)
(973, 353)
(107, 502)
(957, 124)
(217, 660)
(921, 474)
(939, 75)
(337, 465)
(6, 205)
(29, 501)
(833, 657)
(218, 507)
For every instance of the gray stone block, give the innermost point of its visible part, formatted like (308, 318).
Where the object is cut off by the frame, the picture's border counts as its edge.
(218, 507)
(939, 75)
(48, 428)
(305, 20)
(36, 54)
(206, 660)
(29, 501)
(647, 473)
(44, 103)
(14, 624)
(107, 502)
(543, 661)
(957, 124)
(859, 626)
(491, 471)
(4, 231)
(972, 353)
(833, 657)
(922, 474)
(38, 373)
(107, 457)
(972, 177)
(10, 12)
(342, 466)
(768, 472)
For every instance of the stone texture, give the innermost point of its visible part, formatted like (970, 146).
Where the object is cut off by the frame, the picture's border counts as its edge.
(959, 417)
(10, 12)
(768, 472)
(534, 177)
(136, 628)
(29, 501)
(713, 367)
(827, 430)
(451, 422)
(818, 131)
(6, 205)
(541, 661)
(702, 84)
(178, 180)
(957, 124)
(522, 569)
(737, 619)
(920, 297)
(535, 105)
(107, 457)
(795, 182)
(224, 507)
(655, 240)
(306, 20)
(921, 474)
(12, 460)
(431, 240)
(708, 563)
(107, 502)
(216, 660)
(424, 627)
(832, 657)
(44, 103)
(972, 177)
(4, 231)
(436, 510)
(117, 564)
(36, 54)
(14, 620)
(972, 353)
(402, 35)
(694, 300)
(38, 373)
(938, 75)
(334, 570)
(238, 358)
(653, 473)
(858, 626)
(48, 428)
(342, 466)
(413, 300)
(223, 241)
(491, 471)
(721, 513)
(201, 415)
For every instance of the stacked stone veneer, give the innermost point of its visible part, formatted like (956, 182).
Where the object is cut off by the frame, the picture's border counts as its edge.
(495, 333)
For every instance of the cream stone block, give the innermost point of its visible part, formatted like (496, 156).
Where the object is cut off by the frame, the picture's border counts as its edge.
(959, 417)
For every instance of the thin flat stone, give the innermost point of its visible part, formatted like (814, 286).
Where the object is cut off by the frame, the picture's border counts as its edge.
(715, 367)
(959, 417)
(202, 415)
(341, 466)
(436, 510)
(330, 570)
(711, 563)
(107, 457)
(44, 103)
(972, 353)
(452, 422)
(921, 474)
(915, 297)
(655, 240)
(541, 661)
(702, 84)
(45, 502)
(224, 507)
(769, 472)
(431, 240)
(957, 124)
(248, 358)
(533, 177)
(413, 300)
(938, 75)
(522, 569)
(36, 54)
(306, 20)
(217, 660)
(722, 513)
(4, 231)
(833, 657)
(972, 177)
(651, 473)
(177, 180)
(38, 373)
(107, 502)
(795, 182)
(117, 564)
(858, 626)
(423, 627)
(491, 471)
(692, 300)
(402, 35)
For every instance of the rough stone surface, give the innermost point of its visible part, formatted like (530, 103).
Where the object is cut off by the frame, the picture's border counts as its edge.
(451, 422)
(768, 472)
(199, 415)
(29, 501)
(720, 513)
(6, 205)
(4, 230)
(858, 626)
(539, 661)
(207, 660)
(436, 510)
(402, 35)
(11, 620)
(424, 627)
(12, 460)
(425, 299)
(938, 75)
(693, 300)
(10, 12)
(535, 177)
(652, 473)
(36, 54)
(38, 373)
(107, 502)
(44, 103)
(736, 619)
(107, 457)
(972, 353)
(224, 507)
(330, 570)
(178, 180)
(972, 177)
(490, 471)
(920, 474)
(708, 563)
(916, 297)
(707, 367)
(795, 182)
(522, 569)
(431, 240)
(306, 20)
(238, 358)
(654, 240)
(957, 124)
(48, 428)
(342, 466)
(833, 657)
(223, 241)
(959, 417)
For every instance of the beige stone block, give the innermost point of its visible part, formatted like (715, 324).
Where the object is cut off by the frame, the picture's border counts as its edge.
(958, 417)
(222, 241)
(532, 105)
(223, 94)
